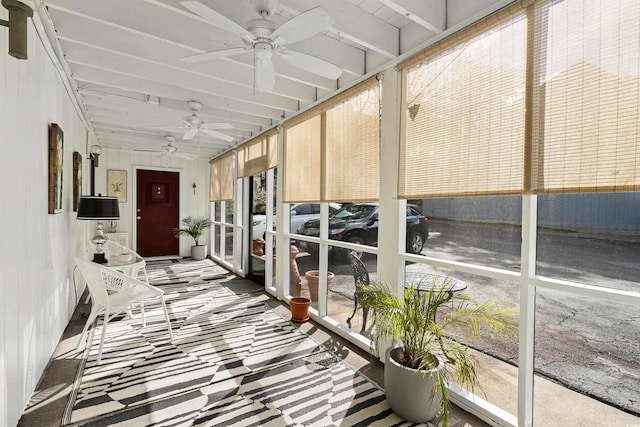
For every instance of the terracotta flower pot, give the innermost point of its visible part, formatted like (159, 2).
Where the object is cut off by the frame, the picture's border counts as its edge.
(299, 309)
(313, 278)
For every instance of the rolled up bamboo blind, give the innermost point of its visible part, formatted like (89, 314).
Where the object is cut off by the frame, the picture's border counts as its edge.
(332, 152)
(221, 178)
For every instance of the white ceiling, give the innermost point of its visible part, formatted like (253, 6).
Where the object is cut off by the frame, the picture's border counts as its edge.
(125, 60)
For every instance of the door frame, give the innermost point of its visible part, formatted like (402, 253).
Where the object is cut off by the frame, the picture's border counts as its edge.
(134, 222)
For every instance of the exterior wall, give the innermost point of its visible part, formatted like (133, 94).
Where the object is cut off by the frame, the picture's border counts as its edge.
(37, 289)
(37, 294)
(610, 212)
(196, 171)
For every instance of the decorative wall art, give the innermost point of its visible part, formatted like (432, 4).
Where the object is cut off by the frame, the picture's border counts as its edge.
(117, 184)
(77, 179)
(56, 149)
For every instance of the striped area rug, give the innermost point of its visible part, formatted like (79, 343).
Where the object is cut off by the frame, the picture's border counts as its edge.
(232, 361)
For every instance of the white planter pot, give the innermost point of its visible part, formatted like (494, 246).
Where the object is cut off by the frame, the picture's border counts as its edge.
(409, 393)
(199, 252)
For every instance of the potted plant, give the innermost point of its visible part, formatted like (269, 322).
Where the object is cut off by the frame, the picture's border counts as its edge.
(194, 227)
(426, 355)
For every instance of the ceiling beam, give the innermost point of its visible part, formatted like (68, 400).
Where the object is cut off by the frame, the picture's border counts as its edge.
(87, 76)
(99, 114)
(98, 96)
(159, 73)
(354, 24)
(173, 30)
(430, 14)
(164, 111)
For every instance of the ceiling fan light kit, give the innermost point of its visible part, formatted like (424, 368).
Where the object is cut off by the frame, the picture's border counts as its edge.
(265, 38)
(195, 124)
(170, 150)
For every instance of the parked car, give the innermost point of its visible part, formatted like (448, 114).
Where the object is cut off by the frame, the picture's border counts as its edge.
(299, 214)
(358, 223)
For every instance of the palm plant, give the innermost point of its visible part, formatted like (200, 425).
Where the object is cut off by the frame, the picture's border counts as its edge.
(194, 227)
(427, 337)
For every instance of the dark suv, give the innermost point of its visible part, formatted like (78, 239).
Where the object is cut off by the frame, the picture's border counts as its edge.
(358, 223)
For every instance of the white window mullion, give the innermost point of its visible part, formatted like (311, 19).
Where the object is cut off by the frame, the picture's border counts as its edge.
(527, 311)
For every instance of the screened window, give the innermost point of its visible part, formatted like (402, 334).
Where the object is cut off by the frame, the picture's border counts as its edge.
(587, 89)
(464, 114)
(332, 152)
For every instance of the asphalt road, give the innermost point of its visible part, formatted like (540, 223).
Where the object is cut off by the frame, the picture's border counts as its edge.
(587, 344)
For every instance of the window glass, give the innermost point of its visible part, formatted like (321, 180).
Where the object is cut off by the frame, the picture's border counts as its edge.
(590, 238)
(341, 302)
(498, 359)
(349, 222)
(229, 211)
(228, 244)
(216, 245)
(306, 259)
(586, 353)
(478, 230)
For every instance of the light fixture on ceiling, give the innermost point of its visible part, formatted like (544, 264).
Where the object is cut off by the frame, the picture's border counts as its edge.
(153, 100)
(265, 38)
(17, 23)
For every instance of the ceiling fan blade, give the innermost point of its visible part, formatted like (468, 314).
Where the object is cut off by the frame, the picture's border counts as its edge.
(302, 26)
(190, 133)
(265, 76)
(217, 19)
(217, 134)
(147, 151)
(217, 126)
(183, 156)
(199, 57)
(311, 64)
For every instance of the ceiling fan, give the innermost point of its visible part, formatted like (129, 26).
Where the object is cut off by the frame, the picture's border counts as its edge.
(194, 124)
(170, 150)
(265, 38)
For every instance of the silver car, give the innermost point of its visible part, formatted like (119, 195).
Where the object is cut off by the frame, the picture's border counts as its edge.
(300, 213)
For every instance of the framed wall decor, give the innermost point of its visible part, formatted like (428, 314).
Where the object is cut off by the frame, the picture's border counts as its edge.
(56, 150)
(117, 184)
(77, 179)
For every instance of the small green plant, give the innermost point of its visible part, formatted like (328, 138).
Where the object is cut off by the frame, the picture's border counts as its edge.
(426, 336)
(193, 226)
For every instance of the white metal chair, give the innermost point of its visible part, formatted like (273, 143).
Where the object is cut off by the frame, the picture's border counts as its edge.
(113, 249)
(113, 293)
(134, 267)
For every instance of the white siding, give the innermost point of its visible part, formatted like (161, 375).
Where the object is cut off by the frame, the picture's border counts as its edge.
(37, 295)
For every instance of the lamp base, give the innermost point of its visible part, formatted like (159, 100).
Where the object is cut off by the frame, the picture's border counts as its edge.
(99, 258)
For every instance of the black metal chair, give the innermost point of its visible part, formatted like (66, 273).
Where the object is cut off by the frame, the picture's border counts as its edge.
(361, 278)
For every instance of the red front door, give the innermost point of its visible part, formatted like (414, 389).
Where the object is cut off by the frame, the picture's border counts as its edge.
(157, 213)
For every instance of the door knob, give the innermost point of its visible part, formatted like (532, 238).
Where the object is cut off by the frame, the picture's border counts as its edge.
(138, 218)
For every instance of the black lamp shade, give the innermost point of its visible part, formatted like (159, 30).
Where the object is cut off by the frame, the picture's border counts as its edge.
(97, 208)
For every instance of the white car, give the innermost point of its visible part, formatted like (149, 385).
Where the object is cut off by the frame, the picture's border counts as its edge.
(300, 213)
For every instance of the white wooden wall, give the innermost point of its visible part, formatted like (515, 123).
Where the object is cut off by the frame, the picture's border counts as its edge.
(37, 296)
(196, 171)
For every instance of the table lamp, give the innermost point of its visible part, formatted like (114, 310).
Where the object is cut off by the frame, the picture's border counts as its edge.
(98, 208)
